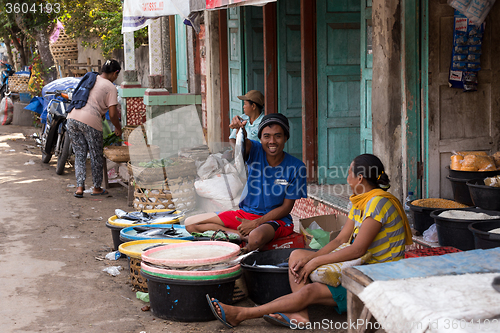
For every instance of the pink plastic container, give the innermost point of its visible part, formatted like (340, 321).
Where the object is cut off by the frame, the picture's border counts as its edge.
(191, 254)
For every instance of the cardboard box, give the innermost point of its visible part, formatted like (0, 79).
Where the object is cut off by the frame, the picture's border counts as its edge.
(332, 223)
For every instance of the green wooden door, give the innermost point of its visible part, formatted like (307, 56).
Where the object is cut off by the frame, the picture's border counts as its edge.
(289, 72)
(366, 77)
(338, 43)
(254, 49)
(181, 56)
(235, 61)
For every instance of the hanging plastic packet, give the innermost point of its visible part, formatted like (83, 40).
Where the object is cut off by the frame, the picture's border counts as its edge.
(467, 49)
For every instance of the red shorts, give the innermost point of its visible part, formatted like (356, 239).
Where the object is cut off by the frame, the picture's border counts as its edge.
(230, 221)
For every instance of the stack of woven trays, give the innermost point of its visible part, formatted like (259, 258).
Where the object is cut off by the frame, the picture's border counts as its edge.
(178, 193)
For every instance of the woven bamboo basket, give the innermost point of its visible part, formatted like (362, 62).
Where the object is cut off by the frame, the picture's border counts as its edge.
(118, 154)
(138, 282)
(178, 193)
(18, 83)
(126, 131)
(65, 48)
(240, 291)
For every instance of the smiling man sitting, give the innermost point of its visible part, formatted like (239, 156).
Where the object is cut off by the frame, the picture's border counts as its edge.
(275, 180)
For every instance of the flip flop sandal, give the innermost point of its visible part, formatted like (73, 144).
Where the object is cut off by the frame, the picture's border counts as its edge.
(78, 195)
(214, 311)
(277, 322)
(104, 192)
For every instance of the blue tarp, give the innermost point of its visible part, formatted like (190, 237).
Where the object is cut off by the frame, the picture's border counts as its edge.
(468, 262)
(25, 73)
(59, 84)
(35, 105)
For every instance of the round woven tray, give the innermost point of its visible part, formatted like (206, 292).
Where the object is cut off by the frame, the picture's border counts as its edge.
(117, 154)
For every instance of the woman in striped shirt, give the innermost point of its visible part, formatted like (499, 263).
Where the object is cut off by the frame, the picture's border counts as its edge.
(377, 226)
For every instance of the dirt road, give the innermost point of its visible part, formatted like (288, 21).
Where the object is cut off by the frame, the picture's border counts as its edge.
(50, 246)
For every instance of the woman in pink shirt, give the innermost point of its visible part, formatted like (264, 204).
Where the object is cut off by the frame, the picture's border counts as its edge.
(85, 127)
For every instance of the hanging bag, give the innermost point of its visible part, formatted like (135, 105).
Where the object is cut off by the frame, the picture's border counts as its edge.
(6, 111)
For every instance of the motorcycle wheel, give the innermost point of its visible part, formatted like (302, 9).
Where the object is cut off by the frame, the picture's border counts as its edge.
(63, 157)
(45, 157)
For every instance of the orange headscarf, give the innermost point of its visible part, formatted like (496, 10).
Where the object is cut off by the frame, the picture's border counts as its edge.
(361, 200)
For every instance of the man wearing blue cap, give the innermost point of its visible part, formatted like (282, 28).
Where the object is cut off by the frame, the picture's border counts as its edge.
(275, 180)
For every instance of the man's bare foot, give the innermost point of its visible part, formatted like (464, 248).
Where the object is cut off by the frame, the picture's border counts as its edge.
(231, 313)
(295, 318)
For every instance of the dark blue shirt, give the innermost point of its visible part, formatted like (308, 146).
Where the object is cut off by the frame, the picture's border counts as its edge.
(267, 187)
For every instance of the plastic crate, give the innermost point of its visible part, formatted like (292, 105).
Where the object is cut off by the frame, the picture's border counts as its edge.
(292, 241)
(431, 251)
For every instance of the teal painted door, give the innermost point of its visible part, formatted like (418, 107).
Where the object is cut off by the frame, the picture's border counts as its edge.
(235, 61)
(366, 77)
(338, 43)
(181, 56)
(289, 72)
(254, 49)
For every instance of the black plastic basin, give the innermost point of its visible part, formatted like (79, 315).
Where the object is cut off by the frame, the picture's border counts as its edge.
(483, 196)
(471, 174)
(115, 234)
(265, 284)
(422, 219)
(483, 239)
(185, 300)
(460, 190)
(455, 232)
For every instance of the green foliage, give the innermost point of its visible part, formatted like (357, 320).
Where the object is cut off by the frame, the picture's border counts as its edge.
(102, 19)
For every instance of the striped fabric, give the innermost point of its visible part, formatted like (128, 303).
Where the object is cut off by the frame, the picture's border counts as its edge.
(389, 244)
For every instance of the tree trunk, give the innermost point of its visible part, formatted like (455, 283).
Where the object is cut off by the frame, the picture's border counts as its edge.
(6, 40)
(42, 41)
(20, 48)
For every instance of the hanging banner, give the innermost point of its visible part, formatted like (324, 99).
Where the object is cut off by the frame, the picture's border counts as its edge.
(139, 13)
(218, 4)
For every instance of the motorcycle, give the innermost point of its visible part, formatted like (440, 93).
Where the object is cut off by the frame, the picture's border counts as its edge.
(4, 79)
(55, 137)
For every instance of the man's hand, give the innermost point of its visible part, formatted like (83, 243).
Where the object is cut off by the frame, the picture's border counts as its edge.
(118, 131)
(237, 122)
(246, 226)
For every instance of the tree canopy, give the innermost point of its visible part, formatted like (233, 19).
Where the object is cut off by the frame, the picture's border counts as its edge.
(28, 21)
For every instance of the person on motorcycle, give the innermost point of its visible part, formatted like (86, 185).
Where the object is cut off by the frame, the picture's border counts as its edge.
(85, 125)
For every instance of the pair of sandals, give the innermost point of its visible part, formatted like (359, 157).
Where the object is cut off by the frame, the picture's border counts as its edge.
(222, 318)
(80, 195)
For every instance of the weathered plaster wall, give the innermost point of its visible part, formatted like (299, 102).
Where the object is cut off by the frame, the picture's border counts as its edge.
(212, 78)
(386, 90)
(142, 64)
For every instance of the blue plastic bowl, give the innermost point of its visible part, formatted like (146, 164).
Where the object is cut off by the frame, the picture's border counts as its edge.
(135, 233)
